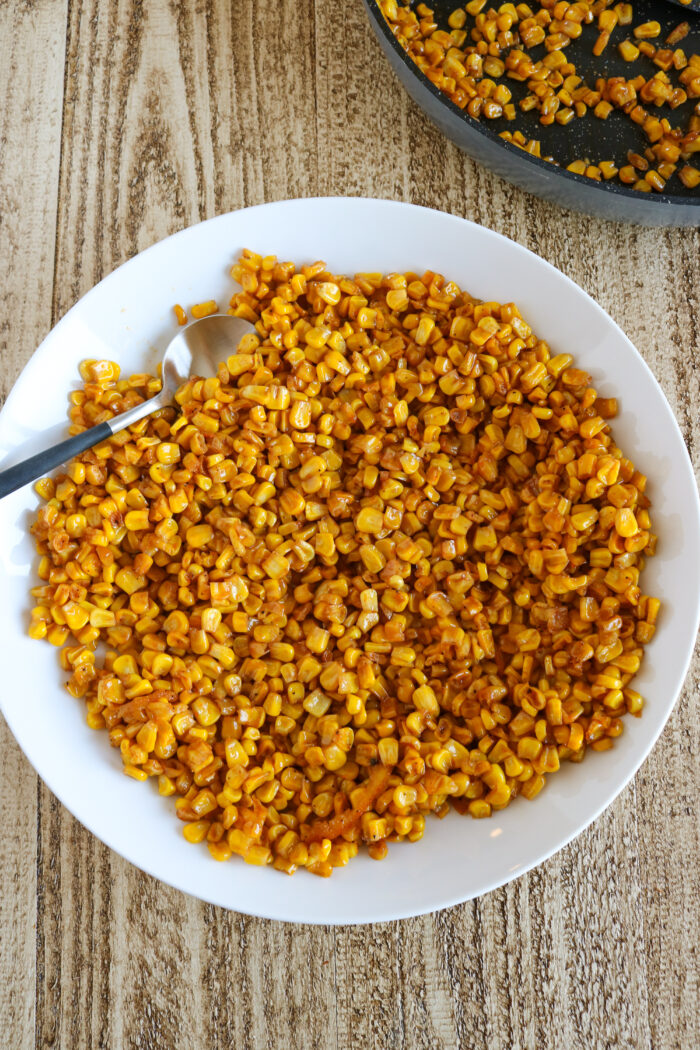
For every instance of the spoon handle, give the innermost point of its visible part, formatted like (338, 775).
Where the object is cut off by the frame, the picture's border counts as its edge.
(37, 466)
(40, 464)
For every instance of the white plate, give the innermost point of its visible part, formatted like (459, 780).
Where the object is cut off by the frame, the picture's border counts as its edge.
(128, 317)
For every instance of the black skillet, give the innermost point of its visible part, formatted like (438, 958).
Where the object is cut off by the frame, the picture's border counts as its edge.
(694, 5)
(589, 137)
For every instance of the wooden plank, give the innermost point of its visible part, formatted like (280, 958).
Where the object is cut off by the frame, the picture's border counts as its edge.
(361, 119)
(121, 966)
(647, 281)
(148, 149)
(283, 978)
(662, 270)
(31, 86)
(134, 169)
(541, 975)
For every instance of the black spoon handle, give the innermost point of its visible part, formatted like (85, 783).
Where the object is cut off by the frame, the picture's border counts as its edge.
(40, 464)
(36, 466)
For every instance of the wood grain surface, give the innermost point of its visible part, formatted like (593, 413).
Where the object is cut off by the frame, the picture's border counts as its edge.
(122, 121)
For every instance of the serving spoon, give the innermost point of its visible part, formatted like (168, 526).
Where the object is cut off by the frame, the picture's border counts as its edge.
(196, 350)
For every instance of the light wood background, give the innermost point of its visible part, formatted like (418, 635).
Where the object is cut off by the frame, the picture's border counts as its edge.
(122, 121)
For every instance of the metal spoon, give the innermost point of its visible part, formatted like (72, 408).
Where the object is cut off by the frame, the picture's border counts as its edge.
(196, 350)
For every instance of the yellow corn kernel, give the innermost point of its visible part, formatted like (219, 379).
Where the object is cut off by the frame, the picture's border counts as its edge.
(625, 522)
(479, 809)
(165, 785)
(57, 635)
(647, 30)
(199, 535)
(628, 51)
(205, 711)
(196, 830)
(276, 566)
(136, 520)
(204, 309)
(147, 735)
(258, 855)
(424, 699)
(370, 520)
(317, 640)
(533, 786)
(135, 772)
(75, 615)
(129, 581)
(220, 850)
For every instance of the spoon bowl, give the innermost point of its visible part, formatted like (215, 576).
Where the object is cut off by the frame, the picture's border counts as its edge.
(199, 348)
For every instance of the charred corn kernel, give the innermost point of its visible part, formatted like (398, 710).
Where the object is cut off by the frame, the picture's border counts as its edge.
(204, 309)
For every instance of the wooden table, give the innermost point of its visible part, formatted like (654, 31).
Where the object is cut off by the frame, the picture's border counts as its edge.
(122, 121)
